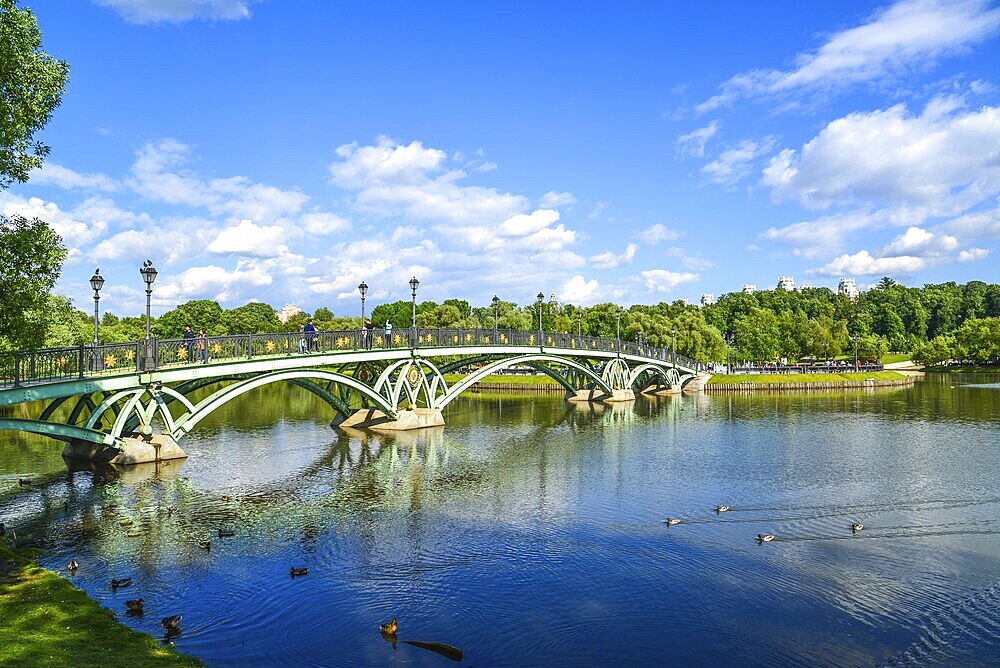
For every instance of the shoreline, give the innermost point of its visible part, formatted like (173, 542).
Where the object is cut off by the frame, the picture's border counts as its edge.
(49, 622)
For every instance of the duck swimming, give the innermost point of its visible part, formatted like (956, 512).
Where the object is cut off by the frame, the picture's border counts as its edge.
(134, 605)
(205, 544)
(124, 582)
(765, 537)
(227, 498)
(171, 623)
(390, 628)
(72, 566)
(23, 482)
(226, 533)
(721, 509)
(671, 521)
(857, 526)
(296, 571)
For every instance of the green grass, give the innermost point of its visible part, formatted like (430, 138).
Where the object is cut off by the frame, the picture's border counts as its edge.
(541, 379)
(49, 622)
(963, 369)
(891, 358)
(782, 378)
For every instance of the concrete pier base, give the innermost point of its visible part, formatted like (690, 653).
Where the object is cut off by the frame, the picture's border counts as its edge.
(620, 395)
(587, 396)
(697, 384)
(137, 450)
(371, 418)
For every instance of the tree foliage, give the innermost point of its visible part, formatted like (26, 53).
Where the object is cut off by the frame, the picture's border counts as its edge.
(31, 257)
(31, 86)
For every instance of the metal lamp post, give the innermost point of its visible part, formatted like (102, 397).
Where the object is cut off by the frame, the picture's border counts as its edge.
(96, 282)
(148, 275)
(414, 283)
(540, 299)
(855, 338)
(618, 327)
(496, 314)
(579, 323)
(363, 289)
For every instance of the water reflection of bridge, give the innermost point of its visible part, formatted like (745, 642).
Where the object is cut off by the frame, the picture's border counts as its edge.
(98, 400)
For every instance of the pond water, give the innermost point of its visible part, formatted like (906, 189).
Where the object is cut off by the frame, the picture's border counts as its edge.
(529, 531)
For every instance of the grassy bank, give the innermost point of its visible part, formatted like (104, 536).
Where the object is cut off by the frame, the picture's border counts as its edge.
(786, 378)
(49, 622)
(962, 369)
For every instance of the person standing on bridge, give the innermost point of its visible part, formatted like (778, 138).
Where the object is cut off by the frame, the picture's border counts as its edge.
(310, 331)
(388, 334)
(302, 339)
(189, 341)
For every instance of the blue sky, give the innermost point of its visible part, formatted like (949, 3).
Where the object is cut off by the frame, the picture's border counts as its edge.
(630, 152)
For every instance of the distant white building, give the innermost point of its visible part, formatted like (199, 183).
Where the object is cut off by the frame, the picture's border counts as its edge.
(786, 283)
(287, 313)
(847, 288)
(707, 299)
(749, 288)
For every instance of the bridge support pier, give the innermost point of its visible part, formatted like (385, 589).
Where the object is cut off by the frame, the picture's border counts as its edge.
(137, 450)
(417, 418)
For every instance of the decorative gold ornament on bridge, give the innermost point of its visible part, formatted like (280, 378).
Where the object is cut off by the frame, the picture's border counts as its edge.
(397, 339)
(110, 361)
(216, 349)
(468, 338)
(269, 346)
(549, 340)
(61, 363)
(379, 340)
(129, 356)
(531, 340)
(182, 353)
(413, 377)
(342, 342)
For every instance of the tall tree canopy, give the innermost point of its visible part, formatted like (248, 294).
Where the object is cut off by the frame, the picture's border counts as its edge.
(31, 258)
(31, 86)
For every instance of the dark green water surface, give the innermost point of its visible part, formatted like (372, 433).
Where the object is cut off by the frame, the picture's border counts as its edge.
(529, 532)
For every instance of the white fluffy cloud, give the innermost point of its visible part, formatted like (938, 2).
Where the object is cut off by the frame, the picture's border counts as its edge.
(917, 241)
(75, 230)
(610, 260)
(661, 280)
(658, 233)
(177, 11)
(554, 200)
(909, 34)
(54, 174)
(693, 143)
(246, 238)
(392, 179)
(943, 160)
(577, 290)
(736, 163)
(863, 264)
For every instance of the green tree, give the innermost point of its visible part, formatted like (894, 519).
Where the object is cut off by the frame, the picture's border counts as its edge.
(757, 335)
(252, 318)
(31, 86)
(198, 313)
(67, 326)
(31, 258)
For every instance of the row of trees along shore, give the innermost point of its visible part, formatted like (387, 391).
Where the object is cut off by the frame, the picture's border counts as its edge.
(937, 323)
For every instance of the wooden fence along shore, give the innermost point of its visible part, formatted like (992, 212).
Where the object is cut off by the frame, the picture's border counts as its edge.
(518, 388)
(747, 386)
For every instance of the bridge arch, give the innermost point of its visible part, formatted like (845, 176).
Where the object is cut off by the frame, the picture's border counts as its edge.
(493, 367)
(206, 406)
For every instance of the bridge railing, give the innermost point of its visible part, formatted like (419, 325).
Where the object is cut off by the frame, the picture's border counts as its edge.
(51, 364)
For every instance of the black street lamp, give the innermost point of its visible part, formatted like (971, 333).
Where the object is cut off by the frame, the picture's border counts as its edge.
(363, 289)
(855, 338)
(579, 323)
(496, 314)
(148, 275)
(414, 283)
(618, 327)
(539, 300)
(673, 342)
(96, 282)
